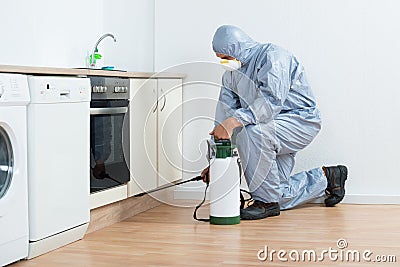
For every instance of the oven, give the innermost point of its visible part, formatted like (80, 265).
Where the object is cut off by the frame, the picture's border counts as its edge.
(109, 133)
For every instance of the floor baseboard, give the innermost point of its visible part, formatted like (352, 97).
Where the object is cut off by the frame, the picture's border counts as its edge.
(349, 199)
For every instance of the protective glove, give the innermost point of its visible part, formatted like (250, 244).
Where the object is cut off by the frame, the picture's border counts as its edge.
(205, 174)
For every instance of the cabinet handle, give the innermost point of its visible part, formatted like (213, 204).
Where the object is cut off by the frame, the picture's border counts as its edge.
(165, 101)
(156, 106)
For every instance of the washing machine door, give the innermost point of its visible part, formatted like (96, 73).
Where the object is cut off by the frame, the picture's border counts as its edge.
(6, 162)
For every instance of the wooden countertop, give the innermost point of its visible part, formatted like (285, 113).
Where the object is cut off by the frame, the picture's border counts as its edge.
(85, 72)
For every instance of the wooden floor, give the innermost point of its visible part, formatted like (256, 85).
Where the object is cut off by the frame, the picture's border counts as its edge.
(168, 236)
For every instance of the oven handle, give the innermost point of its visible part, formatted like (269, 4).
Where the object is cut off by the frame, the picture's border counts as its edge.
(108, 111)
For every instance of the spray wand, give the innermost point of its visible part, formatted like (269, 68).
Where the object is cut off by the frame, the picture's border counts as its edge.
(197, 178)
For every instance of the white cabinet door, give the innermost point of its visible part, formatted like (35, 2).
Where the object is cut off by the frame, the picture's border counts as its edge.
(143, 126)
(169, 137)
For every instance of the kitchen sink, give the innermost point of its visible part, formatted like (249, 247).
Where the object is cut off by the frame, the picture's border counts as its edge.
(83, 68)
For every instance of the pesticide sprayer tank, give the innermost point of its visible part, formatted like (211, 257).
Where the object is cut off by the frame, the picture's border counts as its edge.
(224, 183)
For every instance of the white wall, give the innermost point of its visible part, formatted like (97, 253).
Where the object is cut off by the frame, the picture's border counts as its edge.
(59, 33)
(350, 50)
(132, 22)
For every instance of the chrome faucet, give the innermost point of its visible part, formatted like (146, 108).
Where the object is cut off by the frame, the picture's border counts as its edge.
(92, 64)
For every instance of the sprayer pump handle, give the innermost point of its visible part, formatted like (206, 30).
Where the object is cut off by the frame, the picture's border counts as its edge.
(197, 178)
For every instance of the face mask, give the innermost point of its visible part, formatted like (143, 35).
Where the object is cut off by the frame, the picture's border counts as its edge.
(230, 64)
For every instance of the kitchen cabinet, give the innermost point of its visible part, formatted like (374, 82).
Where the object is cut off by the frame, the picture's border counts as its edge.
(156, 128)
(143, 147)
(169, 131)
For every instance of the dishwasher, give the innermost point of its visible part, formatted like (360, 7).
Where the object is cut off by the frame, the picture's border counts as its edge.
(58, 161)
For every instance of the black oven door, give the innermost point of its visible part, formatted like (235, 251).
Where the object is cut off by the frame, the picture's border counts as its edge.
(109, 144)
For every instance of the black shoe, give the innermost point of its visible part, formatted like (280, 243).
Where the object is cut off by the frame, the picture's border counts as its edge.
(336, 178)
(260, 210)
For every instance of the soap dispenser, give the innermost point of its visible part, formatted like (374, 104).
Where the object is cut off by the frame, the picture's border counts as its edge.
(97, 61)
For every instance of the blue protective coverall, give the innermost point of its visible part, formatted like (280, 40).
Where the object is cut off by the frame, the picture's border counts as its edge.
(271, 97)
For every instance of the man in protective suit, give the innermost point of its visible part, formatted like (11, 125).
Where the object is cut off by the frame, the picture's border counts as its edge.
(265, 98)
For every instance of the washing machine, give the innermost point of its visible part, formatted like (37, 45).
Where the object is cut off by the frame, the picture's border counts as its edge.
(14, 96)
